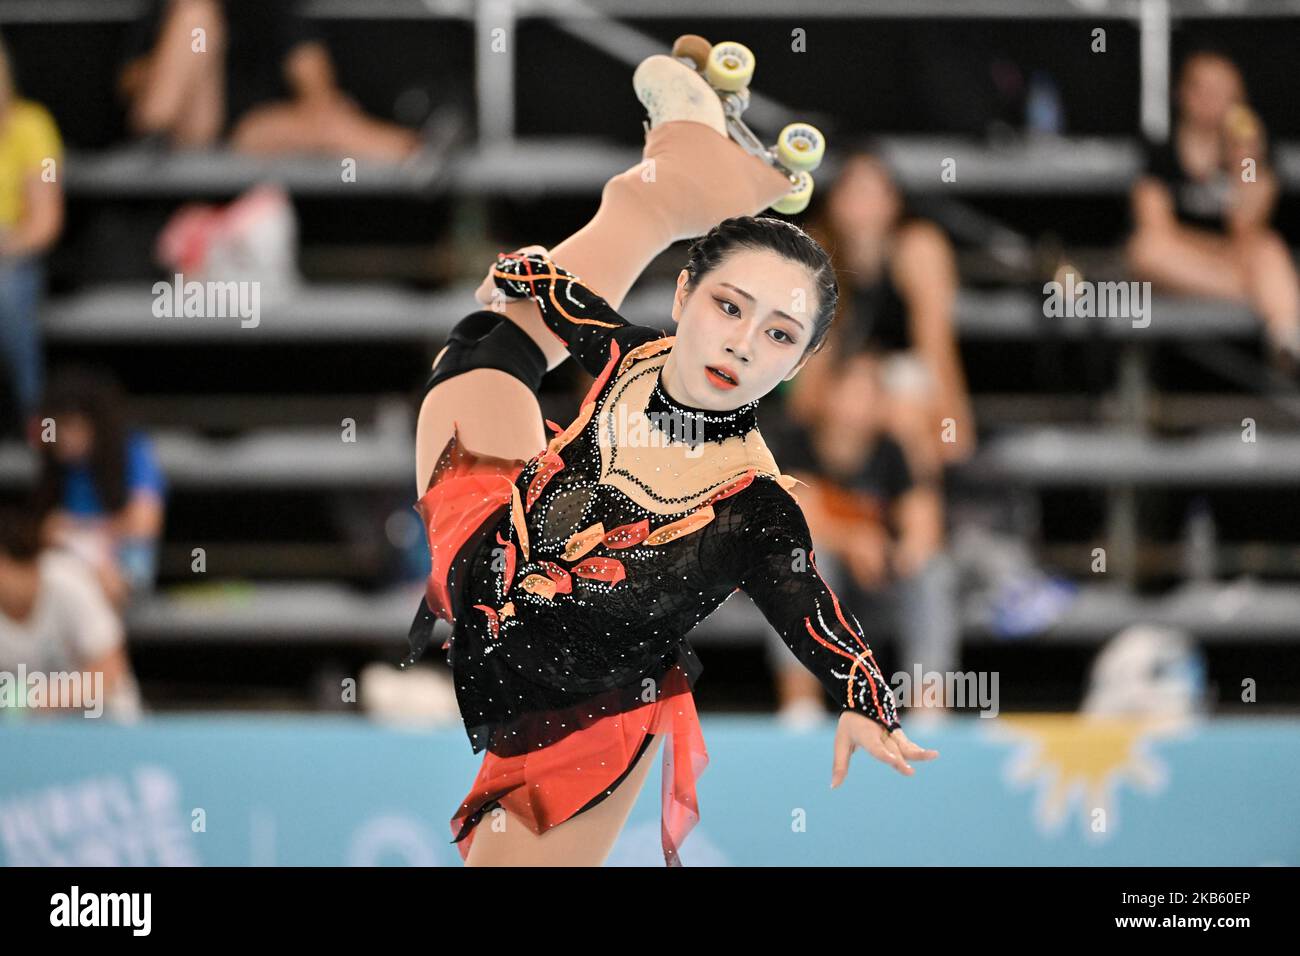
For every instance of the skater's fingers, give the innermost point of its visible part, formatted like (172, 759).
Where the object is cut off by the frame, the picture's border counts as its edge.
(911, 750)
(873, 738)
(914, 752)
(483, 294)
(843, 749)
(889, 753)
(901, 764)
(532, 250)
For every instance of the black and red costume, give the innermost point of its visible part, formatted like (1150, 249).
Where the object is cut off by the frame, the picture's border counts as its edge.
(573, 579)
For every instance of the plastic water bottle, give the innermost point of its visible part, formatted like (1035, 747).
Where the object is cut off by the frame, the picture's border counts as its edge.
(1043, 111)
(1199, 541)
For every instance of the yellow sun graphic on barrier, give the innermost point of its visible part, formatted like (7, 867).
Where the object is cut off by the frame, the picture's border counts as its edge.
(1082, 759)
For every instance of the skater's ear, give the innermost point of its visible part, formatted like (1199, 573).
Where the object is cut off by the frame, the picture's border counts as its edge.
(681, 294)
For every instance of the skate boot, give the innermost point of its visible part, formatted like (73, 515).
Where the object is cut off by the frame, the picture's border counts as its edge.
(726, 69)
(669, 92)
(693, 174)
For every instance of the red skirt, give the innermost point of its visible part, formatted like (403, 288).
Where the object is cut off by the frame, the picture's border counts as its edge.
(466, 488)
(553, 784)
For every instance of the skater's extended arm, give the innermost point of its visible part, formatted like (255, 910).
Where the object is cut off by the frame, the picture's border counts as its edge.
(577, 316)
(778, 572)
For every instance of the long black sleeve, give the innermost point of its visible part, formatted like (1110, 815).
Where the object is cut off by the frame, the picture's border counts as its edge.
(580, 318)
(779, 573)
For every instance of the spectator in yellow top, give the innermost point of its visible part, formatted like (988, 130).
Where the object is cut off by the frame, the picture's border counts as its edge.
(31, 217)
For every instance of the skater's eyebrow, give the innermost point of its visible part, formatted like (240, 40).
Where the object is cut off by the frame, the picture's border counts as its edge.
(784, 315)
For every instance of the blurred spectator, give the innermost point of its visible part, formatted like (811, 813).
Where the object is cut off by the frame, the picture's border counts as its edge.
(101, 491)
(898, 287)
(877, 530)
(54, 618)
(31, 218)
(1201, 227)
(262, 79)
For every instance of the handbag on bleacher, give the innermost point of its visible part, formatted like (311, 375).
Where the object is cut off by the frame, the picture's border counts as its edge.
(251, 239)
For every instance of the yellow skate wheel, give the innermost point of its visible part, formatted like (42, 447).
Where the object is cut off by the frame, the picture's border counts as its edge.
(801, 146)
(694, 47)
(797, 199)
(730, 66)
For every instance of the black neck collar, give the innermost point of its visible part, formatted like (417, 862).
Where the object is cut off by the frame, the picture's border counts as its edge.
(691, 425)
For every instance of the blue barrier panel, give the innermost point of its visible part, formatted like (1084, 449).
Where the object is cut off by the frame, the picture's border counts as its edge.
(1018, 789)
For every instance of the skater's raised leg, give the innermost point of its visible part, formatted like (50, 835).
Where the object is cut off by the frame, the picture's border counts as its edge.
(691, 178)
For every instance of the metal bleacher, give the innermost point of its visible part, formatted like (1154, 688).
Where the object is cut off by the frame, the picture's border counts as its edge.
(1114, 456)
(352, 311)
(578, 166)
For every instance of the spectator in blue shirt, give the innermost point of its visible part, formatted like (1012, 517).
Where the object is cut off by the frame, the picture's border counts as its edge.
(101, 489)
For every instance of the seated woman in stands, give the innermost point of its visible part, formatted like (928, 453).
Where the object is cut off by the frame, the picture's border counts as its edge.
(899, 277)
(263, 80)
(1202, 208)
(54, 619)
(101, 491)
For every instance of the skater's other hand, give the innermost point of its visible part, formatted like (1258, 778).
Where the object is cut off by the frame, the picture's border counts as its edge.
(894, 749)
(487, 293)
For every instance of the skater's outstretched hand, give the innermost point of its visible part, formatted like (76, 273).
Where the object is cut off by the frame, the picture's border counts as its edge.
(488, 291)
(858, 730)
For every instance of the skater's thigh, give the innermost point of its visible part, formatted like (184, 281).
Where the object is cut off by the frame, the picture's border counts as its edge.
(583, 840)
(494, 412)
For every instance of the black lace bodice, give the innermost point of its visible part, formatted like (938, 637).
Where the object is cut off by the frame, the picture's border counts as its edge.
(635, 524)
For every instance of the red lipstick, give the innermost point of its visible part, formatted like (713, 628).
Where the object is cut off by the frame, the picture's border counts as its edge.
(727, 380)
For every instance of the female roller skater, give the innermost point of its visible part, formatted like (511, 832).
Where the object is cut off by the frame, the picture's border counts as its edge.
(573, 569)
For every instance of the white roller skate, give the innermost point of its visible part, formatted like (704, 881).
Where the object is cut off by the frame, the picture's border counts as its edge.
(709, 83)
(669, 91)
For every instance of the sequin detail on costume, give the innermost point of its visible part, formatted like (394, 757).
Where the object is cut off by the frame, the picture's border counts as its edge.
(614, 551)
(671, 532)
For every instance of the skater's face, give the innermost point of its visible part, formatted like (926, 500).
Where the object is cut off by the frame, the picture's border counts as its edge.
(752, 318)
